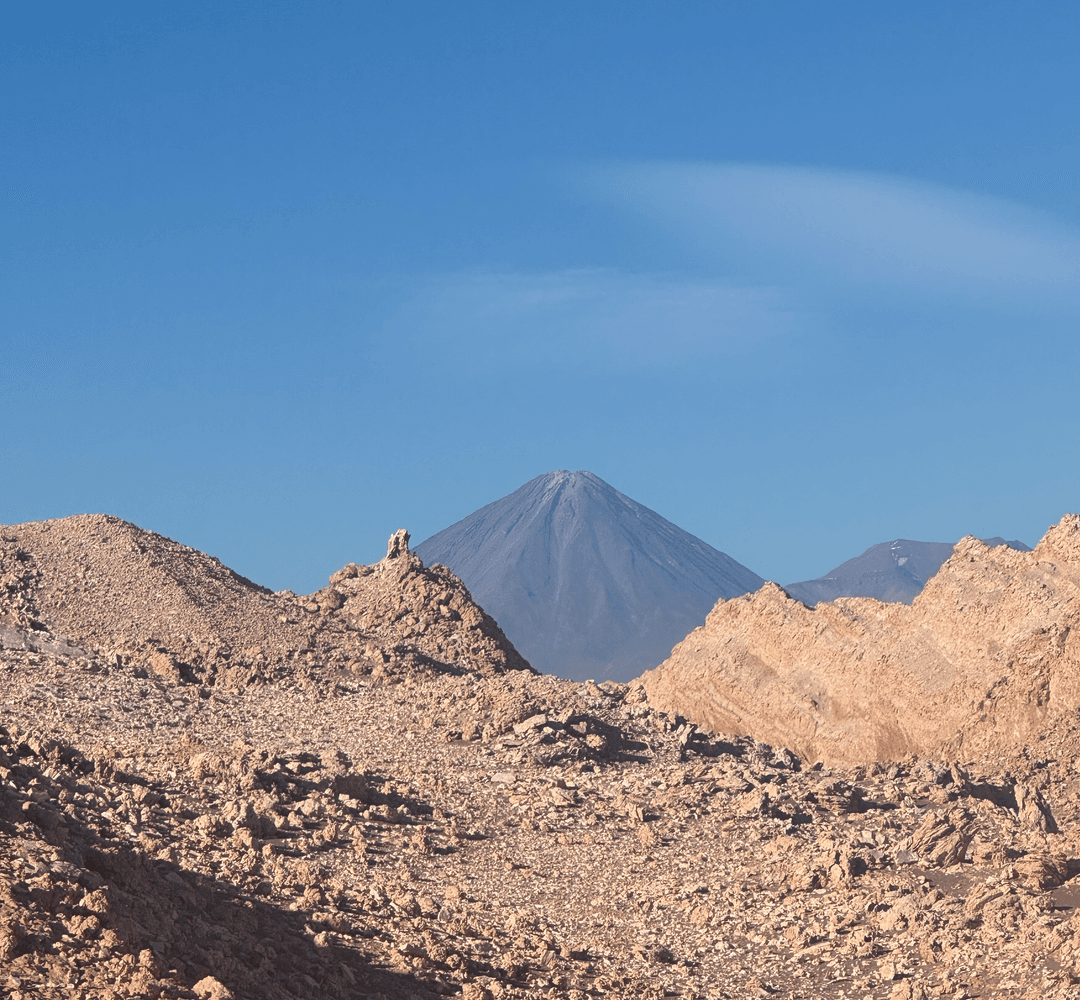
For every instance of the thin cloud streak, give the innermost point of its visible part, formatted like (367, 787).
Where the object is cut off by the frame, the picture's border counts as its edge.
(855, 233)
(569, 320)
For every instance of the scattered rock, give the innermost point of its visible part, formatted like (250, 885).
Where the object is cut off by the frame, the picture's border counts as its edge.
(285, 807)
(939, 843)
(1041, 870)
(208, 988)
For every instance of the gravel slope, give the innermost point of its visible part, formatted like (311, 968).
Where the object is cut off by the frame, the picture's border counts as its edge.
(327, 830)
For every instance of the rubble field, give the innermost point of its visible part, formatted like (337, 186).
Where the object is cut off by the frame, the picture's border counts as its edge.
(362, 814)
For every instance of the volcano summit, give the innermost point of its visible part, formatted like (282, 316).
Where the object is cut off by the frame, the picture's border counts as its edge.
(585, 581)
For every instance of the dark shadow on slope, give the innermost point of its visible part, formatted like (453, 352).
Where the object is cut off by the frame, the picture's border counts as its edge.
(577, 739)
(1000, 795)
(174, 926)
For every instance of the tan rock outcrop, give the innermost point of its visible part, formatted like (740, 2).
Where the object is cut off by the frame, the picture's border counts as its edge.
(986, 654)
(129, 594)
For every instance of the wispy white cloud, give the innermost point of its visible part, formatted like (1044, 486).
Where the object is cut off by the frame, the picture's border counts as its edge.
(571, 319)
(783, 246)
(855, 233)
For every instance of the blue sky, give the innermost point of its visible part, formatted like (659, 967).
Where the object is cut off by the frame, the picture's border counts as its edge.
(277, 279)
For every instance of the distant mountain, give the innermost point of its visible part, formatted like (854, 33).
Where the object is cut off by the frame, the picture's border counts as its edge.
(583, 580)
(890, 571)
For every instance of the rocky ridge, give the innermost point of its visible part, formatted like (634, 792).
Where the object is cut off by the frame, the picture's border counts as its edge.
(988, 652)
(142, 600)
(889, 571)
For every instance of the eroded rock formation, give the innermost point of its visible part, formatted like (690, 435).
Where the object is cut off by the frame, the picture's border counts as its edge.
(988, 652)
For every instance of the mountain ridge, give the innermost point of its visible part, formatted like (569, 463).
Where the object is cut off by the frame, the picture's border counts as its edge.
(988, 651)
(888, 571)
(141, 598)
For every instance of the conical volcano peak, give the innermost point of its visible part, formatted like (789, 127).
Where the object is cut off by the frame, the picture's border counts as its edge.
(565, 479)
(582, 477)
(587, 581)
(582, 487)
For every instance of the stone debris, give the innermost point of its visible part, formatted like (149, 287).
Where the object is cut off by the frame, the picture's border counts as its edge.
(1041, 870)
(938, 842)
(210, 989)
(330, 832)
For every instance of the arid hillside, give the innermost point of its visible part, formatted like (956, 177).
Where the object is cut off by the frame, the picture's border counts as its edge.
(140, 599)
(210, 792)
(988, 653)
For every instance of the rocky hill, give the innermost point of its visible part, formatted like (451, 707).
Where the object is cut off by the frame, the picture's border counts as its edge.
(586, 582)
(988, 652)
(889, 571)
(137, 598)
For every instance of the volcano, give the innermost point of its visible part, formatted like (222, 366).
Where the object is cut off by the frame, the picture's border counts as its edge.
(586, 582)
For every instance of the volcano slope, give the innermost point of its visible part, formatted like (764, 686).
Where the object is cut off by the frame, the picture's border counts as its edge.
(586, 581)
(282, 825)
(988, 652)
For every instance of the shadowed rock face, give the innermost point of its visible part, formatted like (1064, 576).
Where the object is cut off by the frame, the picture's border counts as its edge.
(584, 581)
(889, 571)
(987, 652)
